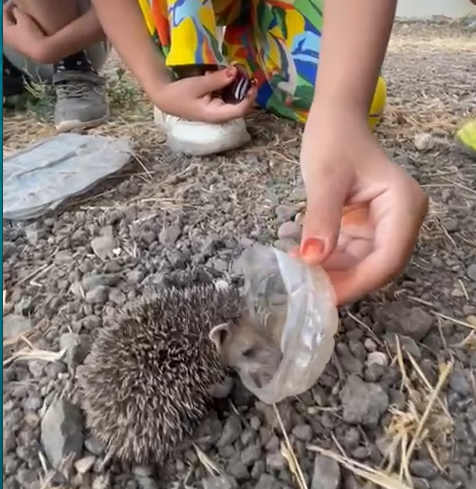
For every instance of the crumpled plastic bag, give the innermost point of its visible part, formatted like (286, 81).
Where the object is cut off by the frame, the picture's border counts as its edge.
(39, 178)
(295, 306)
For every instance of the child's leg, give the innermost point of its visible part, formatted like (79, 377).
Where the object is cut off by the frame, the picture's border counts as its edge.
(280, 46)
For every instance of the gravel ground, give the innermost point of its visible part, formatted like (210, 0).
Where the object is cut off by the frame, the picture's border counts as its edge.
(405, 356)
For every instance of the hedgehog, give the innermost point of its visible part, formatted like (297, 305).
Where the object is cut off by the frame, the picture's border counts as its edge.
(154, 370)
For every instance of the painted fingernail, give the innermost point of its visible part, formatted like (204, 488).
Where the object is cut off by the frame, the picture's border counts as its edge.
(312, 249)
(230, 72)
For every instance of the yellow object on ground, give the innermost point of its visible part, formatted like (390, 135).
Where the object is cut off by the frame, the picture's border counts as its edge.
(378, 102)
(466, 137)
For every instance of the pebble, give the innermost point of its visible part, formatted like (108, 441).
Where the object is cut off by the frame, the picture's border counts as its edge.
(62, 432)
(289, 230)
(104, 245)
(219, 482)
(76, 348)
(169, 235)
(370, 345)
(472, 272)
(63, 257)
(407, 345)
(251, 454)
(14, 325)
(302, 432)
(231, 431)
(423, 468)
(83, 465)
(285, 213)
(326, 473)
(276, 461)
(363, 403)
(98, 295)
(459, 382)
(267, 481)
(378, 358)
(424, 141)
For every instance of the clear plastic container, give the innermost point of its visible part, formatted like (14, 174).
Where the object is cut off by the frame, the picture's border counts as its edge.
(295, 305)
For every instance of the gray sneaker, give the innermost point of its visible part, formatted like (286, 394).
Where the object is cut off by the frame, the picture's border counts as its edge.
(81, 100)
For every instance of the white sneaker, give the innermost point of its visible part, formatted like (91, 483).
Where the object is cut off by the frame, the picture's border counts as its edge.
(201, 138)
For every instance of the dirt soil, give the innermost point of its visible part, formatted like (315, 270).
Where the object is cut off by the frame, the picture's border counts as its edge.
(399, 394)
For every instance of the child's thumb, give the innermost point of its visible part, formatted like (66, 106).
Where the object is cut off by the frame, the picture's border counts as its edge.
(321, 225)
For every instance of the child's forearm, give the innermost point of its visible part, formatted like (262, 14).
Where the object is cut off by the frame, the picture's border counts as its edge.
(354, 42)
(123, 24)
(78, 35)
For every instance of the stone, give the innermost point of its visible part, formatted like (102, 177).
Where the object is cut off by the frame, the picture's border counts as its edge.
(62, 432)
(302, 432)
(231, 431)
(251, 454)
(276, 461)
(14, 325)
(412, 322)
(85, 464)
(363, 403)
(103, 246)
(75, 346)
(169, 235)
(459, 382)
(98, 295)
(326, 473)
(407, 344)
(377, 357)
(267, 481)
(219, 482)
(423, 468)
(285, 213)
(472, 272)
(289, 230)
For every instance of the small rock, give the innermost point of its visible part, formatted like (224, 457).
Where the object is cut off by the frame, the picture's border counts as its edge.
(14, 325)
(289, 230)
(423, 468)
(298, 194)
(231, 431)
(407, 344)
(267, 481)
(169, 235)
(302, 432)
(146, 483)
(412, 322)
(94, 446)
(62, 432)
(238, 470)
(459, 383)
(377, 357)
(63, 257)
(102, 481)
(285, 213)
(276, 461)
(75, 346)
(326, 473)
(251, 454)
(363, 403)
(219, 483)
(103, 246)
(98, 295)
(370, 345)
(472, 272)
(83, 465)
(424, 141)
(285, 244)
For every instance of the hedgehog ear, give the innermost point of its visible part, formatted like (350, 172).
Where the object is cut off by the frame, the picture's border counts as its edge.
(218, 334)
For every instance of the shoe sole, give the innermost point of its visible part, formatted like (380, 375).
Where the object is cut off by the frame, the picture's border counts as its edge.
(77, 125)
(191, 149)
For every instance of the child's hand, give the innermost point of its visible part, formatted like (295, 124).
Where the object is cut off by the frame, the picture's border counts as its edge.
(365, 245)
(191, 98)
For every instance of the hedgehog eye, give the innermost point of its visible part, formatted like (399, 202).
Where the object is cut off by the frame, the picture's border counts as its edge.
(248, 352)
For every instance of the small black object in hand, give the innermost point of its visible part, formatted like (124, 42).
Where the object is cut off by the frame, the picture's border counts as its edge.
(236, 91)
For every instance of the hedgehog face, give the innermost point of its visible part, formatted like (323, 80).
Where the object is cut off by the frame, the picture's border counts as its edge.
(246, 350)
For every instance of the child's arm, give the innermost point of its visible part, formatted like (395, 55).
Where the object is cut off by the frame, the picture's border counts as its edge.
(354, 42)
(123, 24)
(343, 164)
